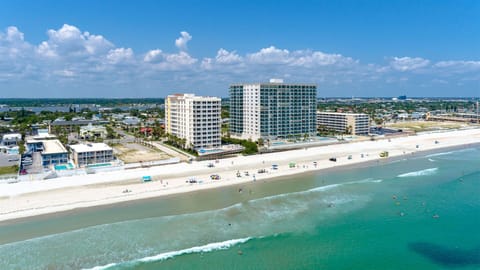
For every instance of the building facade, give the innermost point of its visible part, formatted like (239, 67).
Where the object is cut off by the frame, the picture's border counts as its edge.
(52, 151)
(194, 118)
(272, 110)
(73, 125)
(91, 132)
(349, 123)
(11, 139)
(91, 153)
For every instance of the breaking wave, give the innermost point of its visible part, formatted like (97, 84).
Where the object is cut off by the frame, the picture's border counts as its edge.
(168, 255)
(419, 173)
(288, 212)
(439, 154)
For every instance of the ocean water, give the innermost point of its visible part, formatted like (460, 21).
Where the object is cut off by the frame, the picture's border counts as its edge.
(417, 213)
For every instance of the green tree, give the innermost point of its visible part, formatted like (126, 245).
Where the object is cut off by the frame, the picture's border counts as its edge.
(260, 142)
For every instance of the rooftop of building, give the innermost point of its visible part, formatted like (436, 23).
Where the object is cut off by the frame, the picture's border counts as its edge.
(275, 82)
(90, 147)
(60, 122)
(131, 120)
(53, 147)
(341, 113)
(12, 136)
(42, 134)
(91, 127)
(192, 96)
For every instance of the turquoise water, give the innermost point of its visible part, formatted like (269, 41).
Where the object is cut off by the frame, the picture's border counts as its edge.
(418, 213)
(13, 151)
(313, 139)
(63, 167)
(99, 165)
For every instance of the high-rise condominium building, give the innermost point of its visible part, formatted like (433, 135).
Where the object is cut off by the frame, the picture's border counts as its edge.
(350, 123)
(195, 119)
(272, 110)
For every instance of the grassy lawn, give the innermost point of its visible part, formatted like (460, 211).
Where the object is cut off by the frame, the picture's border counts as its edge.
(8, 170)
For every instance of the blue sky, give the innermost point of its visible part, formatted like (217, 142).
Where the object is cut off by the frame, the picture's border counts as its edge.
(153, 48)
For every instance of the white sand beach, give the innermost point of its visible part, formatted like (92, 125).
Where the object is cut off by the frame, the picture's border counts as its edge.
(31, 198)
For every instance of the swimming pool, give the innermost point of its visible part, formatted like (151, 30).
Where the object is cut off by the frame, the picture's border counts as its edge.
(13, 151)
(278, 143)
(209, 151)
(63, 167)
(99, 165)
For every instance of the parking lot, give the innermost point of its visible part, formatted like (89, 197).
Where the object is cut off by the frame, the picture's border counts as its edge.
(9, 160)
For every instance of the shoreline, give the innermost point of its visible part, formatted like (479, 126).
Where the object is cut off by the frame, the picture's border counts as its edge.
(65, 199)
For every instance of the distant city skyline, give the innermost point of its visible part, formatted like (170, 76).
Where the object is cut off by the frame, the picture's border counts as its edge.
(63, 49)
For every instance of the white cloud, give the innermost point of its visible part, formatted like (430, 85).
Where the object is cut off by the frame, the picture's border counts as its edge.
(299, 58)
(120, 55)
(13, 45)
(13, 35)
(312, 59)
(64, 73)
(270, 55)
(463, 65)
(44, 49)
(181, 58)
(408, 63)
(182, 41)
(71, 57)
(153, 56)
(226, 57)
(207, 63)
(159, 60)
(95, 44)
(69, 41)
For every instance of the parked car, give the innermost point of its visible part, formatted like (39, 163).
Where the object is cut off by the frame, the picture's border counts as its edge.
(215, 177)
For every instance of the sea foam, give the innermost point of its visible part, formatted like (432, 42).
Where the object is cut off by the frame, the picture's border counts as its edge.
(317, 189)
(168, 255)
(200, 249)
(439, 154)
(419, 173)
(322, 188)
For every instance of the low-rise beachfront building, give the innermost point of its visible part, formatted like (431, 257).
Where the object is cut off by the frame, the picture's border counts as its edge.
(272, 110)
(91, 132)
(130, 121)
(72, 125)
(348, 123)
(11, 139)
(196, 119)
(91, 153)
(52, 151)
